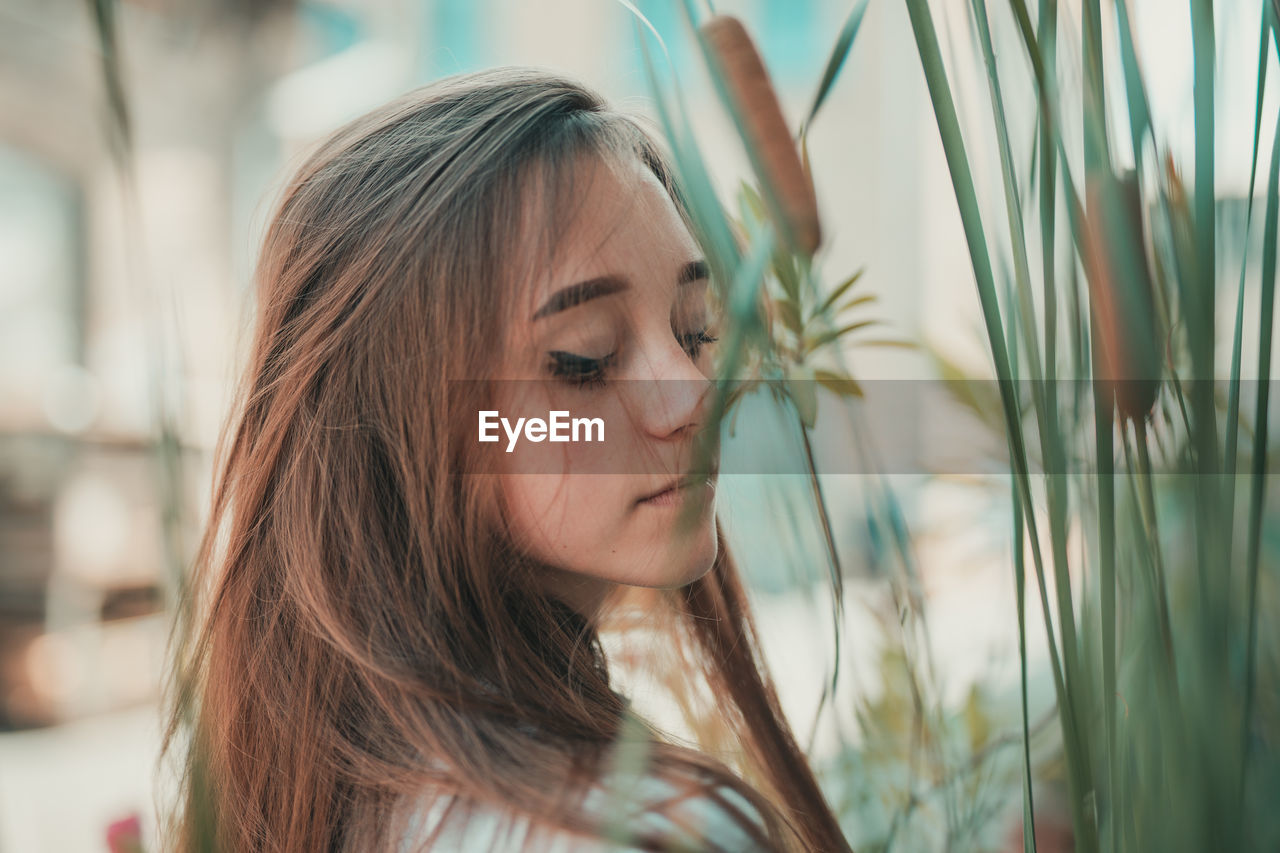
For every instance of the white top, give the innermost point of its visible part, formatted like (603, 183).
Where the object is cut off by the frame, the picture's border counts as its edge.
(700, 823)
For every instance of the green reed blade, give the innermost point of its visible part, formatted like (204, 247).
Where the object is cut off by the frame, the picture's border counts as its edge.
(1048, 18)
(1159, 589)
(1202, 312)
(642, 19)
(1048, 192)
(1104, 403)
(1260, 435)
(1055, 454)
(835, 63)
(1020, 586)
(1204, 57)
(1098, 170)
(120, 120)
(1096, 153)
(971, 220)
(1013, 204)
(1135, 90)
(1237, 339)
(1050, 437)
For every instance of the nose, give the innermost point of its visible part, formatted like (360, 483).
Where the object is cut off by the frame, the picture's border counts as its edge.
(676, 395)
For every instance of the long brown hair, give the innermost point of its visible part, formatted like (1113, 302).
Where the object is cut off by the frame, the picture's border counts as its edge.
(356, 630)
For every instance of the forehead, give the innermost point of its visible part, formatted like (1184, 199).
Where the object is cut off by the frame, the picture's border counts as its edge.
(606, 216)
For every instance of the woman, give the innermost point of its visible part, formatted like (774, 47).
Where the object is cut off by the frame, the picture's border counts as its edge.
(395, 639)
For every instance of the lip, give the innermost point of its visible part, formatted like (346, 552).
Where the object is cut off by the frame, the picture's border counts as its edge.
(675, 485)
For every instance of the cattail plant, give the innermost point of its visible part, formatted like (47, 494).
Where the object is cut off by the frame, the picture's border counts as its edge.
(786, 332)
(1128, 346)
(1156, 652)
(774, 155)
(1126, 463)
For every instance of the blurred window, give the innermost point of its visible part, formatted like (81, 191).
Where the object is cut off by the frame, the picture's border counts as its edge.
(41, 286)
(456, 33)
(330, 29)
(793, 48)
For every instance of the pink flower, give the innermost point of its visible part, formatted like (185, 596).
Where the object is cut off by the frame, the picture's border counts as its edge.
(125, 835)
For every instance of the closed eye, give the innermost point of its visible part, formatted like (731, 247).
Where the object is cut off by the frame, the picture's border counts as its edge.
(580, 370)
(693, 342)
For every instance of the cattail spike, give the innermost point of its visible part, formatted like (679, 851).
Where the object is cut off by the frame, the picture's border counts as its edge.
(772, 149)
(1128, 346)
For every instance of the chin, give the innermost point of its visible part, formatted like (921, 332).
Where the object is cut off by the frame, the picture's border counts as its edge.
(691, 557)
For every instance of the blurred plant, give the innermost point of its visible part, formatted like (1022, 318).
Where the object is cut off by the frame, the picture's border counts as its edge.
(787, 333)
(953, 795)
(1155, 655)
(170, 470)
(779, 322)
(1157, 674)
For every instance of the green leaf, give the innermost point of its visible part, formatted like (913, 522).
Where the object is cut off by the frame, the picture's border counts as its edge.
(844, 44)
(784, 269)
(734, 398)
(865, 299)
(804, 394)
(834, 334)
(752, 204)
(789, 313)
(841, 290)
(886, 342)
(840, 384)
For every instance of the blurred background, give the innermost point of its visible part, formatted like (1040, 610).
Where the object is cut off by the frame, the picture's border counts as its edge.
(125, 306)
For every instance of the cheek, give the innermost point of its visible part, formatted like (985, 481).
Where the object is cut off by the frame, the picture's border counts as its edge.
(585, 525)
(559, 517)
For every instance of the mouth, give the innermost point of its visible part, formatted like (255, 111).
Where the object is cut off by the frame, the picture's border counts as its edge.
(676, 487)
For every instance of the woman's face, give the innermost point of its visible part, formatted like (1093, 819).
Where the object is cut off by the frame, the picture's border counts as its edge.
(618, 327)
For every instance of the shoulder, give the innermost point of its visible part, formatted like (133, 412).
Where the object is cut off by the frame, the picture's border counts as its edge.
(647, 808)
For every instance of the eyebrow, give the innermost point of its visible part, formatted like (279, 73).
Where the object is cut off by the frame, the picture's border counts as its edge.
(593, 288)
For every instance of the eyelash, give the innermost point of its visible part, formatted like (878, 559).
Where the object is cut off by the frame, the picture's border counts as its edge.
(584, 372)
(580, 370)
(694, 342)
